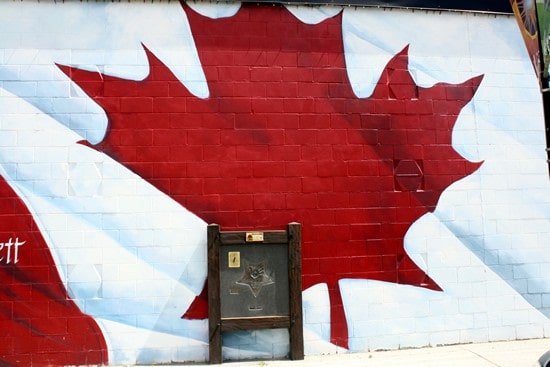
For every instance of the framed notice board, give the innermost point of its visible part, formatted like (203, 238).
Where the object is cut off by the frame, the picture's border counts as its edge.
(255, 282)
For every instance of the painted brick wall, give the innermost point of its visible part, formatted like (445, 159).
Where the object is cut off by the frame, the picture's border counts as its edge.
(409, 144)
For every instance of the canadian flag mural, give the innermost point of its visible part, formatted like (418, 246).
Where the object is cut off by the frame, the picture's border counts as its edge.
(415, 165)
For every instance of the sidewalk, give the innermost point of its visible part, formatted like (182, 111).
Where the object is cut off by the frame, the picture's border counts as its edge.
(523, 353)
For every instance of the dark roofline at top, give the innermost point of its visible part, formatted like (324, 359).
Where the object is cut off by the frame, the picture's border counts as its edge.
(488, 6)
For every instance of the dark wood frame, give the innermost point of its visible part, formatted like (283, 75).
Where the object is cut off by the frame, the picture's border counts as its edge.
(216, 324)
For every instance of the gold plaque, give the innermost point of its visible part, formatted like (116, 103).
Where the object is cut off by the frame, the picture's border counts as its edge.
(254, 236)
(234, 259)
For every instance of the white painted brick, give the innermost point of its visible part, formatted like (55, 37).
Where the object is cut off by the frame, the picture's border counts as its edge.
(157, 253)
(19, 56)
(146, 321)
(490, 257)
(459, 321)
(315, 347)
(500, 304)
(119, 256)
(474, 336)
(449, 259)
(45, 88)
(538, 285)
(532, 167)
(86, 121)
(21, 88)
(128, 272)
(364, 329)
(55, 222)
(492, 182)
(58, 55)
(472, 274)
(474, 197)
(79, 154)
(447, 276)
(165, 237)
(418, 308)
(67, 238)
(140, 204)
(8, 138)
(445, 338)
(445, 306)
(94, 238)
(515, 125)
(498, 242)
(54, 154)
(523, 271)
(496, 288)
(117, 187)
(400, 326)
(12, 106)
(123, 57)
(67, 105)
(151, 288)
(87, 57)
(472, 305)
(110, 271)
(532, 331)
(502, 333)
(515, 94)
(102, 306)
(317, 327)
(325, 330)
(520, 285)
(505, 272)
(119, 289)
(511, 80)
(430, 324)
(532, 225)
(514, 317)
(143, 237)
(173, 270)
(78, 255)
(488, 92)
(137, 306)
(493, 197)
(384, 342)
(121, 221)
(414, 340)
(527, 256)
(39, 72)
(523, 182)
(479, 289)
(463, 291)
(481, 321)
(197, 268)
(123, 355)
(510, 66)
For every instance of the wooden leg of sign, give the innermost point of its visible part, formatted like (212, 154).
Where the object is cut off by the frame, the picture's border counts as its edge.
(295, 291)
(214, 312)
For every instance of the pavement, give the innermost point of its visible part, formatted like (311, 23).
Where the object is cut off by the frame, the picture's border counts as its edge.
(522, 353)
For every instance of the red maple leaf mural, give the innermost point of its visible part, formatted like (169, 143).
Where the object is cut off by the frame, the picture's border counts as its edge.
(282, 137)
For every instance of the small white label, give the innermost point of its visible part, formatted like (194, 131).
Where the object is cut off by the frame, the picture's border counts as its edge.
(234, 259)
(254, 236)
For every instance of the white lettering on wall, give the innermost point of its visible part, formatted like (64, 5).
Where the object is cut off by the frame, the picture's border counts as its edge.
(9, 251)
